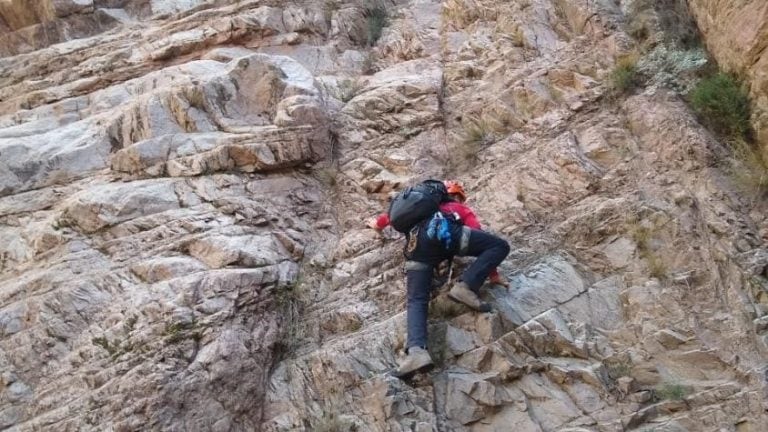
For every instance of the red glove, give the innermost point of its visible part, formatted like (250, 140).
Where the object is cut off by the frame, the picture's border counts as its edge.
(378, 222)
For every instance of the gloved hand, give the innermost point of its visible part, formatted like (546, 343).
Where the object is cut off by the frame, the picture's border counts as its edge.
(498, 279)
(372, 223)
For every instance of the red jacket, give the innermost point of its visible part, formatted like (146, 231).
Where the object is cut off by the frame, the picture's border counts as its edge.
(465, 213)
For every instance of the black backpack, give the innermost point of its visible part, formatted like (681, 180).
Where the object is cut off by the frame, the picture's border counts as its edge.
(416, 204)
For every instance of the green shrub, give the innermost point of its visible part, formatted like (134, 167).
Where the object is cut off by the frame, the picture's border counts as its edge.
(477, 134)
(176, 332)
(624, 76)
(672, 67)
(461, 13)
(670, 391)
(643, 235)
(103, 342)
(328, 176)
(656, 266)
(348, 89)
(130, 323)
(618, 369)
(723, 105)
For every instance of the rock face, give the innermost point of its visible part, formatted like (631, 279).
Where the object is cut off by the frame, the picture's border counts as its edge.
(737, 35)
(183, 187)
(27, 25)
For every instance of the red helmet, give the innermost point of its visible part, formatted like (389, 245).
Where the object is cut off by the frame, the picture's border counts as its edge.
(455, 188)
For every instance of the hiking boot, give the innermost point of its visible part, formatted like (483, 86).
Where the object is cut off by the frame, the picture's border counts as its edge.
(417, 360)
(461, 293)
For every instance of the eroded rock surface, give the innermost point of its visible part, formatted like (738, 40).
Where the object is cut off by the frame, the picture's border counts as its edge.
(183, 187)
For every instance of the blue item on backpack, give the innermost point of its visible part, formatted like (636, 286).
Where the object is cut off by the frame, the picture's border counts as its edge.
(439, 228)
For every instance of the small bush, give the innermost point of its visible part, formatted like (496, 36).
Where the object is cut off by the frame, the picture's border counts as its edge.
(619, 369)
(289, 293)
(177, 332)
(376, 18)
(461, 13)
(643, 235)
(624, 76)
(348, 89)
(456, 12)
(518, 37)
(477, 133)
(130, 323)
(328, 176)
(285, 296)
(291, 301)
(671, 391)
(355, 325)
(640, 24)
(723, 105)
(196, 98)
(520, 192)
(656, 266)
(474, 137)
(672, 67)
(104, 343)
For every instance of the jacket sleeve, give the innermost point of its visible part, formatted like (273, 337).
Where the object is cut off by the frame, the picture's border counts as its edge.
(468, 217)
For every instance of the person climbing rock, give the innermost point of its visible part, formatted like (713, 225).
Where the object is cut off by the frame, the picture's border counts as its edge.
(438, 226)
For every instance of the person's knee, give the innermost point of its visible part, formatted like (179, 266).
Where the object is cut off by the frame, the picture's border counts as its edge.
(502, 246)
(505, 247)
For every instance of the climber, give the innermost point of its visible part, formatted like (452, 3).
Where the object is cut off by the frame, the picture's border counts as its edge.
(452, 231)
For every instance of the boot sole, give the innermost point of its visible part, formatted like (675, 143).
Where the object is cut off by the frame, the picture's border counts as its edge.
(471, 307)
(408, 375)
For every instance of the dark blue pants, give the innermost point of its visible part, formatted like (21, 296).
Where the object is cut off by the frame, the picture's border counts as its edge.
(490, 251)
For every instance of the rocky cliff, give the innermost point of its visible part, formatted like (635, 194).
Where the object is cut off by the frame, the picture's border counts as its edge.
(183, 187)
